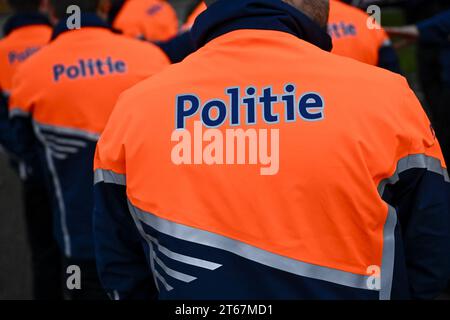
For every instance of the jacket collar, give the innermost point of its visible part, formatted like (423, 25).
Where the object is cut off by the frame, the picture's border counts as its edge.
(20, 20)
(229, 15)
(87, 20)
(116, 8)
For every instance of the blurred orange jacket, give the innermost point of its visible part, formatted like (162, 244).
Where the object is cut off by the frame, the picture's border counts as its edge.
(191, 19)
(352, 37)
(25, 34)
(17, 46)
(153, 20)
(68, 91)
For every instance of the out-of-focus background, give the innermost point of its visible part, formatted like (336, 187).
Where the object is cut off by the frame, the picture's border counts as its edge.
(15, 278)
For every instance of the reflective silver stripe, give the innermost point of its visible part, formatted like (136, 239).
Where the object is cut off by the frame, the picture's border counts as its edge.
(23, 174)
(58, 192)
(153, 257)
(387, 43)
(156, 275)
(180, 257)
(387, 261)
(17, 112)
(64, 141)
(163, 281)
(63, 149)
(173, 273)
(173, 255)
(114, 295)
(69, 131)
(108, 176)
(185, 259)
(58, 155)
(416, 161)
(152, 265)
(249, 252)
(150, 247)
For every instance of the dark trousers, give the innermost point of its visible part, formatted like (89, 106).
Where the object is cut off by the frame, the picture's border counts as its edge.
(45, 255)
(91, 288)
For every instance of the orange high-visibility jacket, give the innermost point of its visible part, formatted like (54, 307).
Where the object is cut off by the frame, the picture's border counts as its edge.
(194, 14)
(264, 167)
(68, 91)
(24, 34)
(19, 45)
(356, 35)
(153, 20)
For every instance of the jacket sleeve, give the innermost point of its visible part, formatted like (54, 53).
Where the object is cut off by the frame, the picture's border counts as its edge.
(436, 30)
(423, 212)
(421, 197)
(121, 262)
(388, 58)
(119, 248)
(5, 129)
(24, 141)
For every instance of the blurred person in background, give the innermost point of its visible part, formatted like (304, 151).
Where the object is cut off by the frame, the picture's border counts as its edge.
(152, 20)
(348, 27)
(197, 7)
(434, 33)
(25, 33)
(418, 10)
(182, 45)
(431, 57)
(433, 62)
(60, 102)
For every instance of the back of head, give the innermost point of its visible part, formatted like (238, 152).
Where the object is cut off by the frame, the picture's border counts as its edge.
(317, 10)
(25, 5)
(59, 7)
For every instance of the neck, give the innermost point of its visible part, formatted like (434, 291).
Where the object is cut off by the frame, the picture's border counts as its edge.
(24, 19)
(225, 16)
(86, 20)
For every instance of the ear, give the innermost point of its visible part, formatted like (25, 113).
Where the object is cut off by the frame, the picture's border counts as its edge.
(51, 12)
(44, 7)
(104, 6)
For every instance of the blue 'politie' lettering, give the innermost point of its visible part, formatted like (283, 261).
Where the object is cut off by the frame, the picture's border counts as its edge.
(309, 107)
(154, 9)
(86, 68)
(21, 56)
(341, 30)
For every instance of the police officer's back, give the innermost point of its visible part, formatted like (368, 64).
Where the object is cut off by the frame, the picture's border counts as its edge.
(68, 90)
(25, 32)
(264, 167)
(153, 20)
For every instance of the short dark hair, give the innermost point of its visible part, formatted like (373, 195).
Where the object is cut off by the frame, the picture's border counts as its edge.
(25, 5)
(60, 6)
